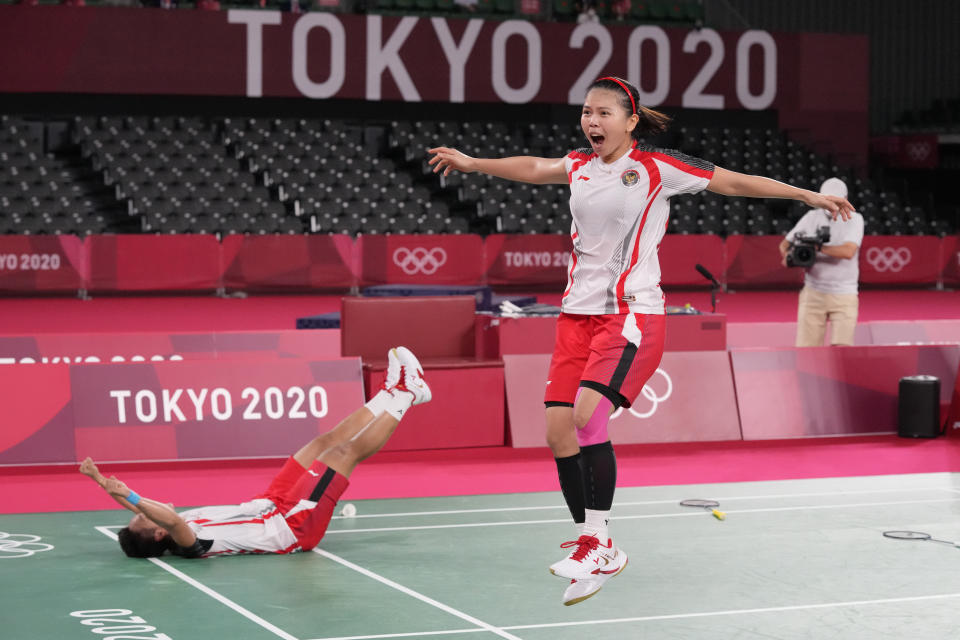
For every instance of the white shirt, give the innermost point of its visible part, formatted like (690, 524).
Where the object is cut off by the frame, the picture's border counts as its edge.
(620, 213)
(252, 527)
(829, 274)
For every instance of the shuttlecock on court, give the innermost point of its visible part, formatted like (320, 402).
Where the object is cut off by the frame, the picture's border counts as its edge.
(348, 510)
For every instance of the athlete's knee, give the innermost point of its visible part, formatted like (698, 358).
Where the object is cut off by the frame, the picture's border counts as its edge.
(561, 434)
(344, 453)
(322, 441)
(561, 439)
(592, 425)
(582, 416)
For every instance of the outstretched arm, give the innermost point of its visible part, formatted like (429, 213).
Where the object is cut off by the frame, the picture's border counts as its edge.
(160, 513)
(519, 168)
(89, 469)
(731, 183)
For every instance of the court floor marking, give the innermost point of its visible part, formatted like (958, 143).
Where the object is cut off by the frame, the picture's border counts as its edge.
(483, 626)
(642, 502)
(675, 616)
(210, 592)
(646, 516)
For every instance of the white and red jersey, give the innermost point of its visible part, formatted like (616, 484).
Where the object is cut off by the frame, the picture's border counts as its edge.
(620, 213)
(256, 526)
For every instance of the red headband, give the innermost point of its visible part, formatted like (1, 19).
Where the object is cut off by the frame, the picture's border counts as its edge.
(624, 87)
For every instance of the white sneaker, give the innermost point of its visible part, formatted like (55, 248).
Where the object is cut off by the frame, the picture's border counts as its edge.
(589, 558)
(411, 379)
(580, 590)
(393, 371)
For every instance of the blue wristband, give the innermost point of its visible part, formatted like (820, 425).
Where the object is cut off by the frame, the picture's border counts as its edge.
(133, 498)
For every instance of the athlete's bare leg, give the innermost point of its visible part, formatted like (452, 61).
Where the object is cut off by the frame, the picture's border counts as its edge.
(343, 432)
(361, 434)
(561, 432)
(343, 457)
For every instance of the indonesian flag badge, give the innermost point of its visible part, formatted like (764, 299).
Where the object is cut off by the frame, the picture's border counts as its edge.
(630, 178)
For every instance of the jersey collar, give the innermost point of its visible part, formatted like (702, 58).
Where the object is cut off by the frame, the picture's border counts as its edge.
(617, 164)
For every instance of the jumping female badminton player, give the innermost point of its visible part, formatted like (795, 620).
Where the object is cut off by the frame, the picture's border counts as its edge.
(610, 333)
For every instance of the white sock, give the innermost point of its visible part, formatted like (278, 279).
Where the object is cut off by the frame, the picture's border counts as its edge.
(398, 403)
(596, 524)
(580, 526)
(378, 403)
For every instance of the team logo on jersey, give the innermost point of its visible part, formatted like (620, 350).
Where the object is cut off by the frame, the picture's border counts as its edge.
(630, 178)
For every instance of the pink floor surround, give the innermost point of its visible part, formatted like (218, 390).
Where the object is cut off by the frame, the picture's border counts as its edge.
(493, 470)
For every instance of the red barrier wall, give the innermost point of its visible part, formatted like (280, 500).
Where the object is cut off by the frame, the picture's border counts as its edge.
(672, 408)
(680, 254)
(825, 391)
(420, 259)
(34, 264)
(157, 263)
(289, 262)
(754, 262)
(900, 260)
(182, 262)
(514, 259)
(172, 410)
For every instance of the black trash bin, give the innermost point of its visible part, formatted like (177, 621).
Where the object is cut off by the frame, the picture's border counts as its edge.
(918, 408)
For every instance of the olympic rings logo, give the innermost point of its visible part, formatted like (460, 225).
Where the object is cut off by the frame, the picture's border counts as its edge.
(21, 545)
(652, 396)
(419, 260)
(888, 258)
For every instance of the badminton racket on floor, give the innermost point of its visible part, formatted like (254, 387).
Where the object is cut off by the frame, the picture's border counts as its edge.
(916, 535)
(709, 505)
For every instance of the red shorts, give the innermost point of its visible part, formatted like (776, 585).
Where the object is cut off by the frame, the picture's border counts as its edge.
(614, 354)
(319, 484)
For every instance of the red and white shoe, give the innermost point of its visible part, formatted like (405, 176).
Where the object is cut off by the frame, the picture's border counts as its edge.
(580, 590)
(411, 378)
(588, 558)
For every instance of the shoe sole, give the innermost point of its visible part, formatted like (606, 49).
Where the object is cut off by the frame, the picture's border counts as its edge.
(392, 352)
(590, 595)
(405, 354)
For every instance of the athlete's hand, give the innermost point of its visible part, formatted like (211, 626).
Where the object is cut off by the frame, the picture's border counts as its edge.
(89, 469)
(116, 487)
(837, 206)
(446, 159)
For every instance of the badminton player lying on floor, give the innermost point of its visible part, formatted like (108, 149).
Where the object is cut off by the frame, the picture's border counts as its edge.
(293, 513)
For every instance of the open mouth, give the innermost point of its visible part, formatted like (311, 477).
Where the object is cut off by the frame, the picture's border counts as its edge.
(596, 139)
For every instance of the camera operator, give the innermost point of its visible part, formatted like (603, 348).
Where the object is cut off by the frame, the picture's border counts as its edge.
(830, 283)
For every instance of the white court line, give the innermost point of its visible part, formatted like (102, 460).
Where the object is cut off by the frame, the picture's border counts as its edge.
(676, 616)
(736, 612)
(210, 592)
(648, 516)
(484, 626)
(644, 502)
(414, 634)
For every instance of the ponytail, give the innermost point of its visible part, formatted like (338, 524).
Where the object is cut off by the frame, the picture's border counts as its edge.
(651, 122)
